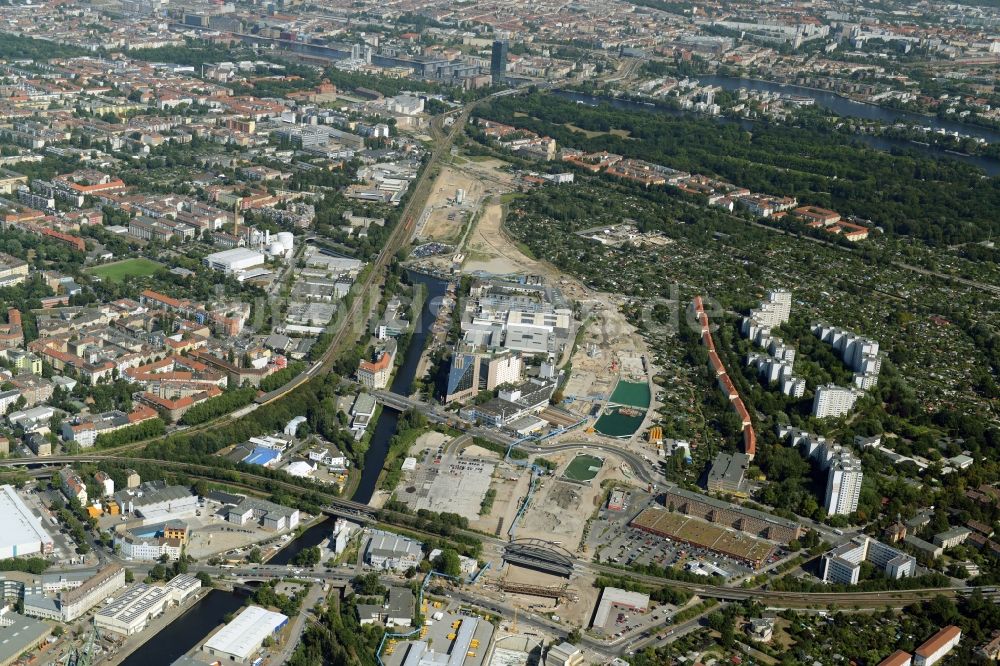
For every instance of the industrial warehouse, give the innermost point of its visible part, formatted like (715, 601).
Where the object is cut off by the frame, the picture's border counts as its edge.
(132, 611)
(21, 531)
(242, 638)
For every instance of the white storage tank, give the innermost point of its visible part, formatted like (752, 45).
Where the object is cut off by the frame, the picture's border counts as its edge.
(287, 240)
(275, 249)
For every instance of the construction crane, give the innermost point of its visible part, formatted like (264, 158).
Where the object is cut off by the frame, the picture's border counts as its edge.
(85, 655)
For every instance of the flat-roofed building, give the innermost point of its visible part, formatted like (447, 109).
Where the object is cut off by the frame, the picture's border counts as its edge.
(391, 551)
(735, 516)
(843, 563)
(613, 598)
(20, 635)
(234, 261)
(21, 531)
(71, 604)
(241, 639)
(728, 473)
(131, 612)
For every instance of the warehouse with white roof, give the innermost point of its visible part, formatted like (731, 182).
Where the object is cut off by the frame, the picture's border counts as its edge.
(132, 611)
(240, 640)
(21, 531)
(235, 261)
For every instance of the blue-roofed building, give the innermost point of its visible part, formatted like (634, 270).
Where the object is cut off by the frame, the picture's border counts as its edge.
(263, 456)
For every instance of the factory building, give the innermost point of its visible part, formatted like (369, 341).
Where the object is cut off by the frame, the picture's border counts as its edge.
(21, 531)
(240, 640)
(131, 612)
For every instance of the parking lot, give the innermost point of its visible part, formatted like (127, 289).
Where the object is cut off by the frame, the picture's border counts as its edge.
(445, 482)
(64, 548)
(613, 541)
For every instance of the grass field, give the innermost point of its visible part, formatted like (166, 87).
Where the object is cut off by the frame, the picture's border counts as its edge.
(120, 270)
(583, 468)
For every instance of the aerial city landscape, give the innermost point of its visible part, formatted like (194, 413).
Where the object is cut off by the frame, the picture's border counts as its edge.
(495, 333)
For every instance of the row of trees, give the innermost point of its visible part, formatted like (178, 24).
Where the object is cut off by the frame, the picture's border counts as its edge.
(939, 201)
(215, 407)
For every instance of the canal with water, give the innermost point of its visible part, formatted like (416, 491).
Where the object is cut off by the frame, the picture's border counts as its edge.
(431, 291)
(183, 634)
(835, 103)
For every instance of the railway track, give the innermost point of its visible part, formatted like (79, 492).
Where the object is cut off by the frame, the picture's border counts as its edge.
(773, 598)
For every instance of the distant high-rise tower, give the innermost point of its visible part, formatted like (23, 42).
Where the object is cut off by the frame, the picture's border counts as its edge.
(498, 63)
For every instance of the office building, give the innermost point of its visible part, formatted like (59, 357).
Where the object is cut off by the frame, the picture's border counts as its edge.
(71, 604)
(937, 646)
(151, 542)
(21, 531)
(241, 639)
(390, 551)
(843, 563)
(498, 61)
(501, 368)
(463, 377)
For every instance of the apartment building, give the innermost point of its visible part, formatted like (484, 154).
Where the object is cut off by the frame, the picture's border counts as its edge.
(833, 401)
(86, 430)
(843, 484)
(937, 646)
(843, 469)
(843, 563)
(72, 485)
(375, 374)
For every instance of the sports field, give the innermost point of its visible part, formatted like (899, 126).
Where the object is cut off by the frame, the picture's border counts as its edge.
(633, 394)
(120, 270)
(583, 468)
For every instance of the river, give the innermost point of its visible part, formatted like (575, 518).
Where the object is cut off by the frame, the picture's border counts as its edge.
(433, 290)
(989, 165)
(184, 633)
(848, 107)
